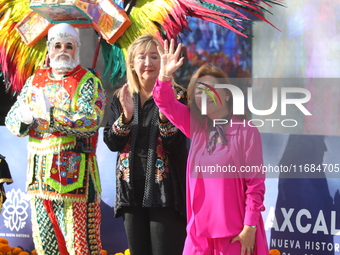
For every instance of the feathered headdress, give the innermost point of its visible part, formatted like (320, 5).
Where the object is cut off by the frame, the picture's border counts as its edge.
(24, 25)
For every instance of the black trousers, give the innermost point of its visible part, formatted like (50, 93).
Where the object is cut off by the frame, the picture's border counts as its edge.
(154, 230)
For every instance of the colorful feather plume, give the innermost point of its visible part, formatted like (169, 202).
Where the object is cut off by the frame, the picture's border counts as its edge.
(17, 60)
(165, 19)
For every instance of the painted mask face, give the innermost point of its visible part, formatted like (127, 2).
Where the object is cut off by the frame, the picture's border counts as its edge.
(62, 54)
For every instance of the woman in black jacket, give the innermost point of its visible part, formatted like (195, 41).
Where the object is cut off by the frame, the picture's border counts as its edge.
(152, 154)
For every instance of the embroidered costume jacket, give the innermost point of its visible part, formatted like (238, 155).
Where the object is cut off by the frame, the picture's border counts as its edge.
(162, 148)
(219, 204)
(61, 147)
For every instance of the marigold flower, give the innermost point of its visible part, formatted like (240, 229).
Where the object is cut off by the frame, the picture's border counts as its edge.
(127, 252)
(274, 252)
(23, 253)
(119, 253)
(6, 248)
(3, 240)
(16, 250)
(34, 252)
(104, 252)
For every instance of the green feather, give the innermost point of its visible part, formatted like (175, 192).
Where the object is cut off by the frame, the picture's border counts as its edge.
(114, 62)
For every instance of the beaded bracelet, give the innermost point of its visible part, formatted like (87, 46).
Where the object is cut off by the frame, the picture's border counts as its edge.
(166, 76)
(167, 129)
(121, 129)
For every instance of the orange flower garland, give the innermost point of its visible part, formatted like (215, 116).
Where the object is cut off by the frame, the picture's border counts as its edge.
(126, 252)
(3, 240)
(274, 252)
(17, 251)
(6, 249)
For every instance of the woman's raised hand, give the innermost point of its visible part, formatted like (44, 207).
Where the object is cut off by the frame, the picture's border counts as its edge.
(170, 60)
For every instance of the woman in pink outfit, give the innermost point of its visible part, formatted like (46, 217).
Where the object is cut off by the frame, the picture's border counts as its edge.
(224, 197)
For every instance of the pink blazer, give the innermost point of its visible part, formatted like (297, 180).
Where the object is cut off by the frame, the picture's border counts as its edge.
(223, 190)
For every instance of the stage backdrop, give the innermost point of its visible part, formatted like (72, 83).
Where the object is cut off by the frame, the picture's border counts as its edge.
(302, 207)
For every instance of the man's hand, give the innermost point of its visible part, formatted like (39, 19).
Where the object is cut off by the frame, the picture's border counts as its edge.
(24, 112)
(42, 99)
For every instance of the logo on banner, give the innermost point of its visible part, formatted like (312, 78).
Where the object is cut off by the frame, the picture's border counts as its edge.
(239, 104)
(15, 210)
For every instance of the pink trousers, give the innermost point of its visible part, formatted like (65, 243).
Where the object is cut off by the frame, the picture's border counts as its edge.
(195, 245)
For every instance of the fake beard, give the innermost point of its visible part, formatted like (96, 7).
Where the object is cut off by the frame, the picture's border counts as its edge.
(68, 65)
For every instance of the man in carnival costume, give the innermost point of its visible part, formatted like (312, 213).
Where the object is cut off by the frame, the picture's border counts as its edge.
(60, 108)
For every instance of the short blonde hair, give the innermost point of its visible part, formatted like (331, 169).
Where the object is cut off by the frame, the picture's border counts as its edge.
(143, 42)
